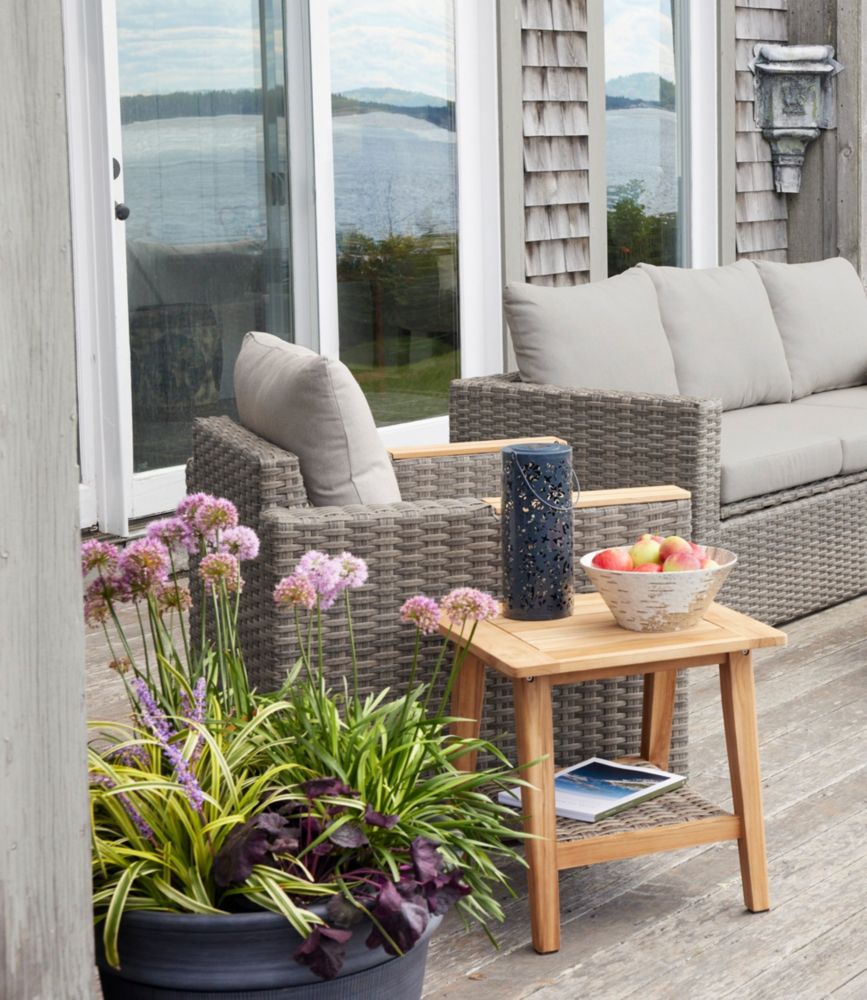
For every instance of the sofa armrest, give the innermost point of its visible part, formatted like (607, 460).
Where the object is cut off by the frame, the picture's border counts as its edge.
(228, 460)
(618, 439)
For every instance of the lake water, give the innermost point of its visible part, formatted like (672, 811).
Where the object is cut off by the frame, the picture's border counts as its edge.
(200, 180)
(641, 144)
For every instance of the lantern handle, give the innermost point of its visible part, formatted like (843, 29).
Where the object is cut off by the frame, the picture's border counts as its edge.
(542, 499)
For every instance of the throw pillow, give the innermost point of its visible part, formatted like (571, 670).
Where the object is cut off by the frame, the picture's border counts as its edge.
(604, 335)
(313, 407)
(821, 312)
(721, 328)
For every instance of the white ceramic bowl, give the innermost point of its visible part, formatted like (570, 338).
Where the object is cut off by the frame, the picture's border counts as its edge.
(659, 602)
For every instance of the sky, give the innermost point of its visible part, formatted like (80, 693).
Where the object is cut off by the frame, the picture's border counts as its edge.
(167, 45)
(638, 38)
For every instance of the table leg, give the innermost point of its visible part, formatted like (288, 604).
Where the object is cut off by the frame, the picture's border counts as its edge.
(657, 717)
(468, 696)
(737, 688)
(534, 725)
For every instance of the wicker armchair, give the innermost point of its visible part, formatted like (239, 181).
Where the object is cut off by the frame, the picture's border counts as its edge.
(624, 439)
(440, 536)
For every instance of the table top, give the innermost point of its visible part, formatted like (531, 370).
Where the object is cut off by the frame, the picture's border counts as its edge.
(592, 644)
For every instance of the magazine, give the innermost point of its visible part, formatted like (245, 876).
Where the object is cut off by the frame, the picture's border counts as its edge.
(597, 788)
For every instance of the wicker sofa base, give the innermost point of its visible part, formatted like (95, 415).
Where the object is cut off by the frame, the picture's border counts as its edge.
(798, 557)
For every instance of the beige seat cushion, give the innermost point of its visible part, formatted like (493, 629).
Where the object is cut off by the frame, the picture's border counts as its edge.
(770, 448)
(854, 398)
(603, 335)
(821, 313)
(722, 334)
(313, 407)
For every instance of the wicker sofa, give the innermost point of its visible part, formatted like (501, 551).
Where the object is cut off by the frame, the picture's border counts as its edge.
(781, 480)
(438, 535)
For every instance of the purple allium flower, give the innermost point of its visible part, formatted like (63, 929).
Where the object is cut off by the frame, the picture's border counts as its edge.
(215, 514)
(172, 532)
(465, 603)
(143, 827)
(221, 567)
(295, 589)
(98, 555)
(421, 611)
(190, 504)
(97, 607)
(241, 542)
(144, 566)
(353, 571)
(171, 597)
(155, 720)
(323, 572)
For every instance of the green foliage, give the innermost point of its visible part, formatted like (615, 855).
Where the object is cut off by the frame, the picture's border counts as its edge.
(154, 850)
(633, 235)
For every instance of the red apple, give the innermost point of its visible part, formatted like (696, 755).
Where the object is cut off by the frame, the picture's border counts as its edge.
(648, 568)
(672, 544)
(698, 550)
(709, 564)
(645, 550)
(680, 562)
(617, 559)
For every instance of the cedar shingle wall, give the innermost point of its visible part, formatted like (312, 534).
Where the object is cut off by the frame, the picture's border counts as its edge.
(760, 213)
(556, 188)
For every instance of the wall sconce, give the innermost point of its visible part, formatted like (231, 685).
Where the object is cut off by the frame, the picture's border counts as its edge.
(794, 100)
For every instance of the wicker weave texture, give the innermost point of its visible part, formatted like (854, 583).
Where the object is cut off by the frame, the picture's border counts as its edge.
(682, 805)
(422, 545)
(618, 439)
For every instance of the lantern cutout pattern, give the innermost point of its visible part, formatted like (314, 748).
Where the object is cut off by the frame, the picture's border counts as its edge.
(537, 531)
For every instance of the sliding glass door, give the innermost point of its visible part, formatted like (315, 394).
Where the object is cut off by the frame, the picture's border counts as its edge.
(203, 163)
(325, 171)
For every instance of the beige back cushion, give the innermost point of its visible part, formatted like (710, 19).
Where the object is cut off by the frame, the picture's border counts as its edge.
(722, 333)
(821, 312)
(313, 407)
(604, 335)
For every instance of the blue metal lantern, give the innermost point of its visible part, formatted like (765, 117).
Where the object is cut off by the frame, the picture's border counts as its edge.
(537, 531)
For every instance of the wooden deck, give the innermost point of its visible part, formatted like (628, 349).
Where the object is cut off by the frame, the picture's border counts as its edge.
(674, 926)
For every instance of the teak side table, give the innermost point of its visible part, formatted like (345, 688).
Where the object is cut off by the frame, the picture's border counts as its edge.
(589, 645)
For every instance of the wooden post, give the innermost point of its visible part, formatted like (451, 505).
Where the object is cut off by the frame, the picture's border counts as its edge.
(45, 919)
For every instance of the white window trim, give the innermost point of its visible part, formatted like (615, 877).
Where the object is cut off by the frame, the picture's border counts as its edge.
(703, 134)
(102, 356)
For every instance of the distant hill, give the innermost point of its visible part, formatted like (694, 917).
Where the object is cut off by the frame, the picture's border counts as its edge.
(639, 90)
(442, 115)
(395, 97)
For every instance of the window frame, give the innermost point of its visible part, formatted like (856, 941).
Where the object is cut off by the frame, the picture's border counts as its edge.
(111, 494)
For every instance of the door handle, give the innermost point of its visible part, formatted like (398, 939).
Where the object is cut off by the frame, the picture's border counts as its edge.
(121, 211)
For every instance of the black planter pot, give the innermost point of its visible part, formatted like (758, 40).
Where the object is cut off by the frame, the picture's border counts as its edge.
(246, 956)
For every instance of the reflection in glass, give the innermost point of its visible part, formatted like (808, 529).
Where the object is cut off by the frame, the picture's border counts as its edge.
(205, 177)
(641, 125)
(395, 187)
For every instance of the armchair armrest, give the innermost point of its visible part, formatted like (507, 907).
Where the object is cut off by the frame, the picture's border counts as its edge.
(619, 439)
(465, 447)
(228, 460)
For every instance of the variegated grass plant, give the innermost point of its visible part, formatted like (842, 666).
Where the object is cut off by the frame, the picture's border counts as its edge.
(217, 797)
